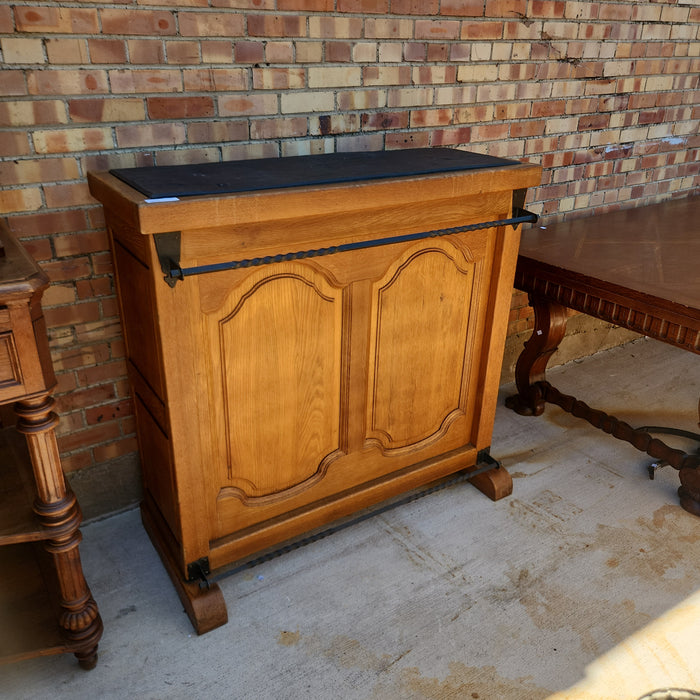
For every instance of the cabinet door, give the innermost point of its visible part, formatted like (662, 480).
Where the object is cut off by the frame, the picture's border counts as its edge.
(423, 327)
(274, 350)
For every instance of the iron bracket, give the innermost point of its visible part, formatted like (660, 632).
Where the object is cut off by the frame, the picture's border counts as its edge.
(168, 251)
(199, 571)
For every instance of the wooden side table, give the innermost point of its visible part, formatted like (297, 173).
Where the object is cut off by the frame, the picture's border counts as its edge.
(45, 604)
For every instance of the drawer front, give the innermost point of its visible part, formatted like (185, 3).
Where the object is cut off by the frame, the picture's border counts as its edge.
(11, 380)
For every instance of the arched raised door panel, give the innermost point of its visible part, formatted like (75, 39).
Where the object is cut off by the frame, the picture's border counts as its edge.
(276, 345)
(420, 343)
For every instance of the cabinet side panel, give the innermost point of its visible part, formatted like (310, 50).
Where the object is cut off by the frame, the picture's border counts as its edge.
(137, 308)
(157, 471)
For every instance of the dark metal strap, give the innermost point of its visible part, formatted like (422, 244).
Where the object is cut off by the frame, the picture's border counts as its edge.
(485, 462)
(174, 272)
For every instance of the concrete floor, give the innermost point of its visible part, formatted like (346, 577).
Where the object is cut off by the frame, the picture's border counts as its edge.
(581, 585)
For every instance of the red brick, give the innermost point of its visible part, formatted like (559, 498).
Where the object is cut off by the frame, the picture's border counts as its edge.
(32, 113)
(179, 107)
(139, 22)
(278, 78)
(45, 170)
(414, 7)
(107, 50)
(131, 81)
(75, 139)
(76, 461)
(6, 20)
(108, 412)
(431, 117)
(69, 315)
(182, 52)
(85, 397)
(414, 51)
(384, 120)
(217, 51)
(81, 243)
(547, 8)
(14, 143)
(62, 270)
(481, 30)
(522, 129)
(417, 139)
(118, 448)
(102, 373)
(365, 7)
(146, 51)
(438, 52)
(67, 51)
(454, 136)
(96, 287)
(338, 52)
(45, 223)
(276, 25)
(148, 135)
(278, 128)
(92, 332)
(617, 12)
(56, 19)
(506, 8)
(215, 79)
(39, 248)
(12, 83)
(437, 29)
(110, 109)
(256, 104)
(18, 200)
(462, 8)
(249, 51)
(305, 5)
(89, 437)
(213, 24)
(550, 108)
(217, 132)
(71, 195)
(67, 82)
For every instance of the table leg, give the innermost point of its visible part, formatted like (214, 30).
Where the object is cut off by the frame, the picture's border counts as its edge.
(549, 330)
(57, 510)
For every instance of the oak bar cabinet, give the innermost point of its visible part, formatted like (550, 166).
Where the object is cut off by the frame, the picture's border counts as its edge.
(45, 604)
(306, 337)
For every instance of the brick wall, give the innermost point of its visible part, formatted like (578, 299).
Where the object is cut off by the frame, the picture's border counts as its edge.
(604, 95)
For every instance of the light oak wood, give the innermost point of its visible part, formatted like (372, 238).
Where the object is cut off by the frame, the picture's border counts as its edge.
(273, 400)
(45, 604)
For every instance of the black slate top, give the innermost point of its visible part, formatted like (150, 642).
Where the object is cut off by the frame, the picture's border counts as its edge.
(296, 171)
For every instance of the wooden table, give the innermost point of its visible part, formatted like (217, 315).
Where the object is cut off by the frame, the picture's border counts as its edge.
(637, 268)
(45, 604)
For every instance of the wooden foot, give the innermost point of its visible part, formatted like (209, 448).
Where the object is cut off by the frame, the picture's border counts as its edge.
(549, 330)
(87, 660)
(496, 483)
(689, 490)
(203, 603)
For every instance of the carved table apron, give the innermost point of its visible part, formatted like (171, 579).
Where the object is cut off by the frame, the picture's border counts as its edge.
(637, 268)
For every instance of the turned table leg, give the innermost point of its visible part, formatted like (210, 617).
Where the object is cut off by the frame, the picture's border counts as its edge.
(57, 510)
(549, 330)
(689, 491)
